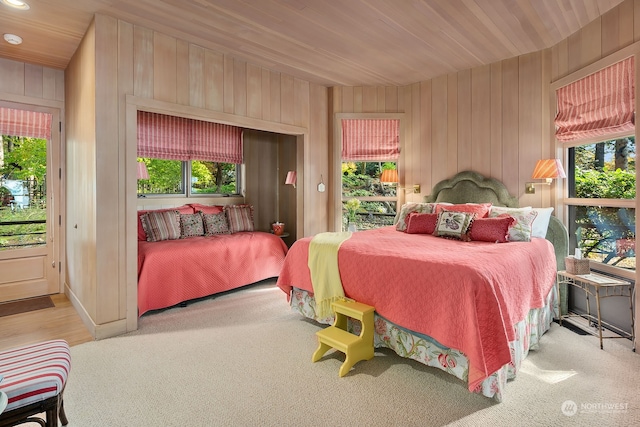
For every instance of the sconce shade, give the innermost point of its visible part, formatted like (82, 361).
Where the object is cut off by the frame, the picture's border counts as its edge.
(389, 176)
(292, 178)
(548, 169)
(143, 173)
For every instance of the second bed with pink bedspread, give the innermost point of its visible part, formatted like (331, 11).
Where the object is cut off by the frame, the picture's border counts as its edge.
(174, 271)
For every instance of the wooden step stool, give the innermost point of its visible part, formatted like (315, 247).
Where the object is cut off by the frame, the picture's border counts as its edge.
(355, 347)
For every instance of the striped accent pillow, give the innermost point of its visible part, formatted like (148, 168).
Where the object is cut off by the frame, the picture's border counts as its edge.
(164, 225)
(240, 217)
(35, 372)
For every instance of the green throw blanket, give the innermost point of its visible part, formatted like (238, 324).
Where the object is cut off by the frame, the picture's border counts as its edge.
(323, 266)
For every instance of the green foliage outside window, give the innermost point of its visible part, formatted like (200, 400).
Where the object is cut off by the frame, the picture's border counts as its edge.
(362, 179)
(23, 159)
(605, 170)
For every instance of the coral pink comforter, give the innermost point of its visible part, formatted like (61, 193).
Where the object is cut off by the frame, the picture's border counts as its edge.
(466, 295)
(173, 271)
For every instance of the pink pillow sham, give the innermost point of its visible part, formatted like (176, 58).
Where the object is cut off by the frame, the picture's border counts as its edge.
(480, 209)
(419, 223)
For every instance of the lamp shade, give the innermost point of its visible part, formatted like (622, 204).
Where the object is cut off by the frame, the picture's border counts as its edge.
(292, 178)
(548, 169)
(389, 176)
(143, 173)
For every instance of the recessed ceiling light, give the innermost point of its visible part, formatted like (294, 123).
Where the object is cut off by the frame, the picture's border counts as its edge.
(16, 4)
(12, 39)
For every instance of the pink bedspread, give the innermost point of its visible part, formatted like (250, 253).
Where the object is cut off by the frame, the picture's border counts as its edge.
(173, 271)
(466, 295)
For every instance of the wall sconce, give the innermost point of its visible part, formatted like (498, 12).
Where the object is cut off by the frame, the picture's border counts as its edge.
(546, 169)
(292, 178)
(143, 173)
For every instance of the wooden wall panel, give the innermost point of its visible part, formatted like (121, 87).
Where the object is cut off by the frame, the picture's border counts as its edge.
(182, 69)
(143, 60)
(481, 120)
(196, 76)
(496, 121)
(464, 121)
(439, 128)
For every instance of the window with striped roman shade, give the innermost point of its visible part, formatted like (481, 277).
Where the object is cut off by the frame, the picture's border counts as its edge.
(25, 123)
(161, 136)
(598, 105)
(370, 139)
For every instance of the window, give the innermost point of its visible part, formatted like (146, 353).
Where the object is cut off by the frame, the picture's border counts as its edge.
(602, 189)
(188, 156)
(167, 177)
(370, 145)
(595, 122)
(378, 201)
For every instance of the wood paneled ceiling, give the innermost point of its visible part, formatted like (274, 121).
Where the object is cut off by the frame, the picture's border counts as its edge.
(328, 42)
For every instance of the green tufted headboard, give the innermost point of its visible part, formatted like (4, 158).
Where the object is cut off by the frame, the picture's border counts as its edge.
(472, 187)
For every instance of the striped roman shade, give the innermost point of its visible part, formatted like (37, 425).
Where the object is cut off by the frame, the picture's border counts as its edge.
(161, 136)
(601, 104)
(31, 124)
(370, 139)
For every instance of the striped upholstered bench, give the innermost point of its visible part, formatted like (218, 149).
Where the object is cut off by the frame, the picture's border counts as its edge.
(34, 379)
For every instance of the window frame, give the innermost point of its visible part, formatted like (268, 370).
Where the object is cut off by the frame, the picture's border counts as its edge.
(186, 184)
(563, 201)
(337, 199)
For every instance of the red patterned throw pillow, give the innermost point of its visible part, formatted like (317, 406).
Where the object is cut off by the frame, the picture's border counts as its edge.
(240, 217)
(215, 223)
(418, 223)
(492, 229)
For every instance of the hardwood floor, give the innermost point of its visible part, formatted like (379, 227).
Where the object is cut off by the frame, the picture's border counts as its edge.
(61, 321)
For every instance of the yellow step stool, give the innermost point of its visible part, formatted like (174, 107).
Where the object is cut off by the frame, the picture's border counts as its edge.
(355, 347)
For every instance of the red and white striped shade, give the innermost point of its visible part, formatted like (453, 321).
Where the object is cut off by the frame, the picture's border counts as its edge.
(548, 169)
(143, 173)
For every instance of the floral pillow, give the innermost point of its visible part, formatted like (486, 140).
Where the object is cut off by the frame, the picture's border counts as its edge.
(521, 230)
(454, 225)
(240, 217)
(418, 223)
(492, 229)
(215, 223)
(407, 208)
(161, 225)
(191, 225)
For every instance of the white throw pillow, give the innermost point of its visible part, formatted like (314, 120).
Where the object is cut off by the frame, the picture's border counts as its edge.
(541, 223)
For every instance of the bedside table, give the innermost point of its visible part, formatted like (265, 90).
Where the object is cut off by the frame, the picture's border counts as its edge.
(598, 286)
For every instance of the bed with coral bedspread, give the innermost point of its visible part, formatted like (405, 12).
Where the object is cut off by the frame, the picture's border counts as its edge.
(178, 270)
(471, 308)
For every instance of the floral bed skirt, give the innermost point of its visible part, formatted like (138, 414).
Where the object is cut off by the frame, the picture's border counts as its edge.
(428, 351)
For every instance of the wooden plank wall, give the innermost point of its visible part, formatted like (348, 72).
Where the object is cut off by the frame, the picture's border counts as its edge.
(495, 119)
(150, 67)
(487, 119)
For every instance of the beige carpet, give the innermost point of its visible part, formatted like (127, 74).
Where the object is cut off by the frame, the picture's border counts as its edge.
(244, 359)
